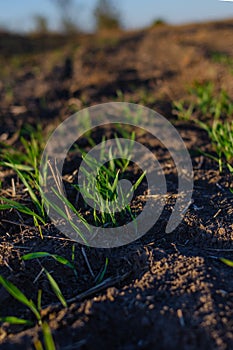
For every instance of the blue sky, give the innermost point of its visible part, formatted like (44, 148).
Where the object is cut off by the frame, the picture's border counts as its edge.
(18, 14)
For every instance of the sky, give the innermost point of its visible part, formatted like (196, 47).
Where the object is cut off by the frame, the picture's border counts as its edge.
(18, 14)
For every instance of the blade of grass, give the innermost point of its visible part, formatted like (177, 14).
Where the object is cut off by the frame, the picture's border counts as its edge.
(56, 257)
(15, 320)
(36, 223)
(19, 167)
(72, 208)
(18, 295)
(226, 262)
(48, 338)
(11, 204)
(39, 297)
(56, 288)
(99, 278)
(64, 216)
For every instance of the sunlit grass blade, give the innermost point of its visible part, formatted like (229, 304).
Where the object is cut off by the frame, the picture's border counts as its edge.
(36, 223)
(32, 151)
(18, 295)
(230, 168)
(39, 297)
(37, 344)
(16, 320)
(65, 217)
(56, 257)
(28, 187)
(62, 213)
(113, 187)
(19, 167)
(64, 261)
(93, 164)
(56, 288)
(139, 180)
(227, 262)
(35, 200)
(35, 255)
(47, 336)
(11, 204)
(72, 208)
(102, 149)
(111, 159)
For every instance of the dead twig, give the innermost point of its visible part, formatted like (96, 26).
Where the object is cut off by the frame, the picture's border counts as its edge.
(109, 282)
(13, 187)
(219, 250)
(99, 287)
(17, 223)
(87, 262)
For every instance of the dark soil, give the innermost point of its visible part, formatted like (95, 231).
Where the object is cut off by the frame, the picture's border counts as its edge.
(164, 291)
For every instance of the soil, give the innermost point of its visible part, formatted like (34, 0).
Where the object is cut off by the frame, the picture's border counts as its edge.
(163, 291)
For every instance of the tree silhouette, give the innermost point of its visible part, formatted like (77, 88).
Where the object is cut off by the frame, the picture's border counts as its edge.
(67, 11)
(41, 24)
(107, 16)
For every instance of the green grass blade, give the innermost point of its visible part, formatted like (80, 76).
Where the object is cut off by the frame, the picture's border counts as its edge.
(62, 214)
(101, 275)
(227, 262)
(24, 178)
(73, 253)
(56, 288)
(28, 187)
(65, 262)
(48, 338)
(72, 208)
(39, 297)
(19, 167)
(115, 183)
(18, 295)
(35, 255)
(15, 320)
(58, 258)
(11, 204)
(230, 168)
(137, 183)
